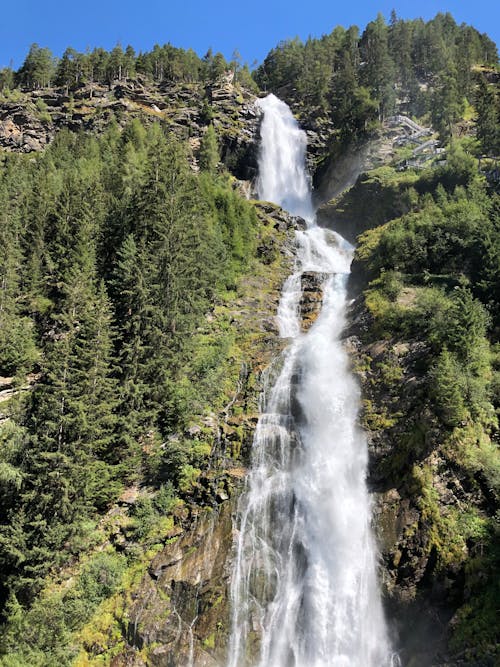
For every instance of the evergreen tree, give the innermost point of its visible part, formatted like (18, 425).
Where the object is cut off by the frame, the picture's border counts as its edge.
(487, 102)
(469, 322)
(400, 47)
(38, 69)
(17, 345)
(131, 298)
(209, 152)
(218, 67)
(447, 104)
(129, 62)
(6, 78)
(69, 466)
(98, 65)
(378, 73)
(115, 64)
(68, 70)
(447, 390)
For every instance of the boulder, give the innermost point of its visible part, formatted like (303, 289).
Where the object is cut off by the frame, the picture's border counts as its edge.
(312, 297)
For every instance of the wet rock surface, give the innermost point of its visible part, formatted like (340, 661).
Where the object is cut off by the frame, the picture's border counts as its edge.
(312, 297)
(181, 609)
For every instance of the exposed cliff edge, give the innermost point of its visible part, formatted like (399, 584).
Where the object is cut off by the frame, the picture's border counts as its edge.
(31, 122)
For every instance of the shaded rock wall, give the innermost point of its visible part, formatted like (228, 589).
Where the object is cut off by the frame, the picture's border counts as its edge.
(181, 610)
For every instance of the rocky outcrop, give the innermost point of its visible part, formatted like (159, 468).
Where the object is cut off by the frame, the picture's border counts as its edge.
(21, 130)
(370, 202)
(350, 199)
(181, 611)
(340, 170)
(236, 119)
(30, 123)
(312, 297)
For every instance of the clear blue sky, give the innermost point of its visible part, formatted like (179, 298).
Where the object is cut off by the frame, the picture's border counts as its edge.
(252, 26)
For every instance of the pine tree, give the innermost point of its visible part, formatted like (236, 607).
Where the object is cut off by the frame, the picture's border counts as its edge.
(38, 69)
(17, 345)
(131, 297)
(73, 462)
(209, 151)
(447, 389)
(129, 62)
(115, 65)
(487, 102)
(171, 251)
(378, 73)
(68, 71)
(447, 104)
(6, 78)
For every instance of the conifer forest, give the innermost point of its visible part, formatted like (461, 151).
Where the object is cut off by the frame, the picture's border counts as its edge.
(140, 279)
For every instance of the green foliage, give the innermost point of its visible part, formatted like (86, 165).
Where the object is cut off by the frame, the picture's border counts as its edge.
(12, 442)
(235, 222)
(18, 351)
(209, 152)
(378, 73)
(430, 293)
(475, 630)
(450, 239)
(487, 103)
(43, 635)
(447, 105)
(447, 389)
(113, 251)
(162, 64)
(114, 256)
(100, 577)
(38, 69)
(6, 79)
(353, 79)
(147, 513)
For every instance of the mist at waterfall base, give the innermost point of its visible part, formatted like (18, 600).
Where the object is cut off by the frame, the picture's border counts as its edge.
(304, 588)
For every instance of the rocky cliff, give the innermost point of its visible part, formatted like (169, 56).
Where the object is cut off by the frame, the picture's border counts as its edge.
(423, 498)
(30, 120)
(432, 497)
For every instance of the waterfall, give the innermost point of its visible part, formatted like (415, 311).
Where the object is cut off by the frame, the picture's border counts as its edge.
(304, 588)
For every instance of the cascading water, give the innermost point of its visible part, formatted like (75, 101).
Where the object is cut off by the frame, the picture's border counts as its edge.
(304, 588)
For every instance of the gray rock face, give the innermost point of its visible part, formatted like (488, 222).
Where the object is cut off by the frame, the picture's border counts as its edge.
(21, 131)
(185, 108)
(312, 297)
(183, 602)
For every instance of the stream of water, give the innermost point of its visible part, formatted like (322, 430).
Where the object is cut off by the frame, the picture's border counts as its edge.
(304, 588)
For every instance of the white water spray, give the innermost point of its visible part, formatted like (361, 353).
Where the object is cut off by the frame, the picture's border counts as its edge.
(304, 588)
